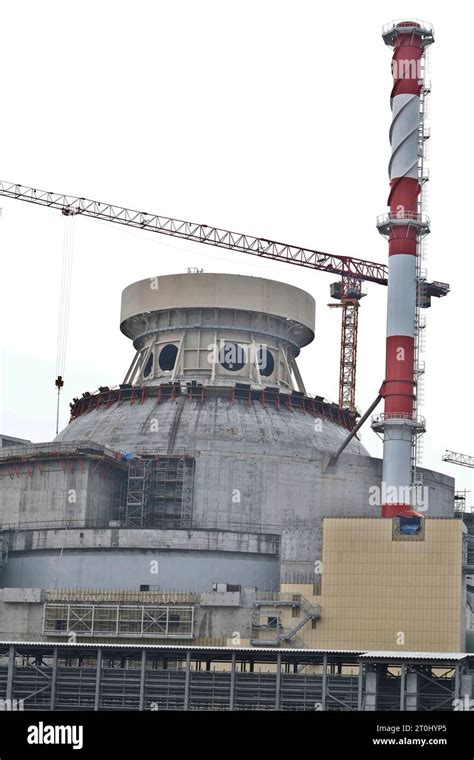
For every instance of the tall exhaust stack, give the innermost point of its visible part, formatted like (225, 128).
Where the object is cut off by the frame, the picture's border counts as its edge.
(405, 226)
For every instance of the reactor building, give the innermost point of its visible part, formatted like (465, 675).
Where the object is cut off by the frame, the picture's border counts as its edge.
(207, 534)
(208, 498)
(197, 500)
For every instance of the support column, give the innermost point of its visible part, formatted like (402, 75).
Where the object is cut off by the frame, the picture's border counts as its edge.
(324, 684)
(97, 679)
(187, 680)
(278, 682)
(141, 705)
(54, 676)
(370, 694)
(11, 672)
(360, 687)
(232, 682)
(411, 692)
(464, 691)
(457, 682)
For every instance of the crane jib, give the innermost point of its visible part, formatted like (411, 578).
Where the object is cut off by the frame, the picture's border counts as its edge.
(69, 205)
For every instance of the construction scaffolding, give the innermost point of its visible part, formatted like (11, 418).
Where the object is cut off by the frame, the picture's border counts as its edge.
(160, 492)
(137, 493)
(118, 620)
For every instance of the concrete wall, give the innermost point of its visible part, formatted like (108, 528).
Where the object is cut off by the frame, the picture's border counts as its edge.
(190, 570)
(257, 470)
(378, 591)
(346, 491)
(218, 619)
(43, 494)
(56, 492)
(20, 620)
(147, 538)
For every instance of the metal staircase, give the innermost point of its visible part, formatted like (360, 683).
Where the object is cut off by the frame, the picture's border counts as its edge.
(270, 606)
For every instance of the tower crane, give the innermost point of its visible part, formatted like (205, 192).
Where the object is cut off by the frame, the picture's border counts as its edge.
(465, 460)
(347, 290)
(455, 458)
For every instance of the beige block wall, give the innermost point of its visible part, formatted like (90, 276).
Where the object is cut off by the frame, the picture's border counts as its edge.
(380, 593)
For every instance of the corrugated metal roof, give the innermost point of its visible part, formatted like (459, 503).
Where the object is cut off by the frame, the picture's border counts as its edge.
(183, 647)
(398, 655)
(363, 654)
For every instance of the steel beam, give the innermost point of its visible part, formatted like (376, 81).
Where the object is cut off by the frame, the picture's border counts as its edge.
(141, 705)
(54, 676)
(360, 687)
(278, 681)
(11, 671)
(97, 679)
(232, 681)
(324, 684)
(402, 687)
(187, 680)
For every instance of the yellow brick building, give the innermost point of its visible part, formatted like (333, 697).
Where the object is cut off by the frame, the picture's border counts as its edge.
(381, 590)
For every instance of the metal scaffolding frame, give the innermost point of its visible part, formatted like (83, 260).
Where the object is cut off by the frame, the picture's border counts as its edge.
(160, 492)
(116, 620)
(137, 493)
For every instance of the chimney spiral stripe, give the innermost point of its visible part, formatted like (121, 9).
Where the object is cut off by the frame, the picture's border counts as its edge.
(399, 388)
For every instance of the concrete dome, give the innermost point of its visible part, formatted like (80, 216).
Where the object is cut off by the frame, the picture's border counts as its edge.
(257, 468)
(257, 442)
(217, 424)
(203, 466)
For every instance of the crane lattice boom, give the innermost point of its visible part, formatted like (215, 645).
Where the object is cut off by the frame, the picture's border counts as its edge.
(201, 233)
(455, 458)
(352, 271)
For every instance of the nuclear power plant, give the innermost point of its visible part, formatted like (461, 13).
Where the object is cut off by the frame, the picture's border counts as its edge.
(207, 535)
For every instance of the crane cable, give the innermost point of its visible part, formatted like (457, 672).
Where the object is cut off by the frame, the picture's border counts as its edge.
(64, 302)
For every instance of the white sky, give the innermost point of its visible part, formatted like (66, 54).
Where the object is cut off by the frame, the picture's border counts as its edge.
(260, 116)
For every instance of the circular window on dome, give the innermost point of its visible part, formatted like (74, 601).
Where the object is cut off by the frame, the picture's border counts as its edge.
(232, 357)
(148, 365)
(265, 361)
(168, 356)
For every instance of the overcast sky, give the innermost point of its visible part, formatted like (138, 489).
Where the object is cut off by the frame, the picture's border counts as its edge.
(264, 117)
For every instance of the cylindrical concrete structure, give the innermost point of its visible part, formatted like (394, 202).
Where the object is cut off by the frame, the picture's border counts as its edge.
(404, 226)
(232, 449)
(216, 328)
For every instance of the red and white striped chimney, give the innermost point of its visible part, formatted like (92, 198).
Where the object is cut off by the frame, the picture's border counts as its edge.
(404, 226)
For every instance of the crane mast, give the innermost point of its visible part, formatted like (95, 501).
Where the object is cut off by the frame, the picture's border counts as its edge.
(460, 497)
